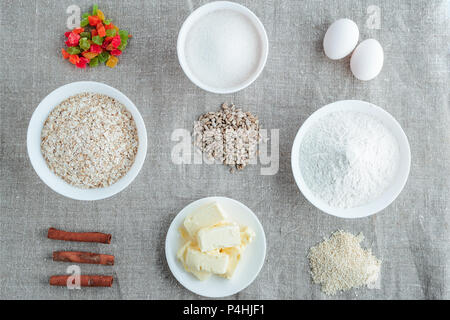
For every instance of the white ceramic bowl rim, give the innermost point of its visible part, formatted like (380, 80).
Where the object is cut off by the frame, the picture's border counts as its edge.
(34, 140)
(205, 9)
(390, 194)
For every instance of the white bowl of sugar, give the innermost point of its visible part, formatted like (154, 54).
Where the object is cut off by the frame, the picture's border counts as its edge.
(222, 47)
(351, 159)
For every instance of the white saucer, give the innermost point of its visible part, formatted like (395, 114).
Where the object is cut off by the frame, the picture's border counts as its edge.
(247, 269)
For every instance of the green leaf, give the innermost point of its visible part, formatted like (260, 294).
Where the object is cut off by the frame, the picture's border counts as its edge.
(103, 57)
(84, 44)
(93, 62)
(110, 32)
(84, 22)
(85, 35)
(73, 50)
(97, 40)
(94, 9)
(123, 33)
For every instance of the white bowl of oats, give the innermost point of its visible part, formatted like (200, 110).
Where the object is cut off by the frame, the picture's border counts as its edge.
(87, 141)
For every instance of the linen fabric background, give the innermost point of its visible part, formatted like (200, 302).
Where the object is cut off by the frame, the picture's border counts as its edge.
(411, 236)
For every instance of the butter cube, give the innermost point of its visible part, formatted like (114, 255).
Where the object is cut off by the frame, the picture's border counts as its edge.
(213, 261)
(247, 235)
(181, 254)
(205, 216)
(201, 275)
(234, 254)
(217, 237)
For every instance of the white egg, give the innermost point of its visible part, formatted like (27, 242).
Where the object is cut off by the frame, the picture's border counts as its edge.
(367, 60)
(340, 39)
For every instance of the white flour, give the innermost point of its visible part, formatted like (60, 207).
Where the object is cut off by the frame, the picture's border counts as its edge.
(223, 48)
(348, 159)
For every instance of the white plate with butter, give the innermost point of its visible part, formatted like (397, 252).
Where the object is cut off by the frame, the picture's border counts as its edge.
(251, 259)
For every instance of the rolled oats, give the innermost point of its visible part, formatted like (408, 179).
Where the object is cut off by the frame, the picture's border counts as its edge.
(90, 140)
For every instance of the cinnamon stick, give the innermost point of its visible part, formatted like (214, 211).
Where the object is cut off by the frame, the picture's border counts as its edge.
(83, 257)
(85, 281)
(78, 236)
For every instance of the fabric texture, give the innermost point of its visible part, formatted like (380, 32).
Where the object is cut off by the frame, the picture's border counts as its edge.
(411, 236)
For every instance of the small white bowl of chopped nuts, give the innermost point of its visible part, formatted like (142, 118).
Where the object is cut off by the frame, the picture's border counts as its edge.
(87, 141)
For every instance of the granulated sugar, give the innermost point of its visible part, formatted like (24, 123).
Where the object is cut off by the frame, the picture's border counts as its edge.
(339, 263)
(348, 159)
(223, 49)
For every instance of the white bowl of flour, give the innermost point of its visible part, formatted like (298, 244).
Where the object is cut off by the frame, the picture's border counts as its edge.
(222, 47)
(351, 159)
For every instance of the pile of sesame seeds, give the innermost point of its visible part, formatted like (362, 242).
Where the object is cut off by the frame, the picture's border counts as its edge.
(339, 263)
